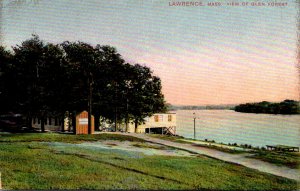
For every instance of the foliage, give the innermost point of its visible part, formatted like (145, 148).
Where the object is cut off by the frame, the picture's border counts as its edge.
(44, 79)
(6, 92)
(284, 107)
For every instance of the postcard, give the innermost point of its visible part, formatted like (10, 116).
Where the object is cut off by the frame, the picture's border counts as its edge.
(149, 94)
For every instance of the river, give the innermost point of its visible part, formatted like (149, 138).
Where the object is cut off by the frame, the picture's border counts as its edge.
(228, 126)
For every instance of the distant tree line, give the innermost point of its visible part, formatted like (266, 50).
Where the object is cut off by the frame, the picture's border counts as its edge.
(39, 79)
(284, 107)
(200, 107)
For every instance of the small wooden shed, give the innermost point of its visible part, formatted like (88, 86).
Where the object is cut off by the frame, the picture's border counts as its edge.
(82, 123)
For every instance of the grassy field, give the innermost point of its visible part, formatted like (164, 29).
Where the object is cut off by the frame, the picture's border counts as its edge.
(289, 159)
(53, 161)
(66, 138)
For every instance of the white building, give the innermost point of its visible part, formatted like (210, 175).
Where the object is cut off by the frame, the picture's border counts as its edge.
(161, 123)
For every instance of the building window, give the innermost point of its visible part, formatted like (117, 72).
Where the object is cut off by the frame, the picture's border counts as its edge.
(156, 118)
(161, 118)
(169, 117)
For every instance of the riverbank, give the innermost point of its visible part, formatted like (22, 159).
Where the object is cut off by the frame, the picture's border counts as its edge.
(288, 159)
(119, 161)
(237, 158)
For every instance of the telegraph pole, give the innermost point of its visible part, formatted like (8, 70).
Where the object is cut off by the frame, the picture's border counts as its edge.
(90, 103)
(194, 116)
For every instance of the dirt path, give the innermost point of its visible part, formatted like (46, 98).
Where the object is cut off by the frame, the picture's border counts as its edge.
(234, 158)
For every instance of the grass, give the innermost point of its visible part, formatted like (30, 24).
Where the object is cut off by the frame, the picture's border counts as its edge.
(42, 165)
(219, 148)
(150, 146)
(66, 138)
(180, 139)
(289, 159)
(177, 139)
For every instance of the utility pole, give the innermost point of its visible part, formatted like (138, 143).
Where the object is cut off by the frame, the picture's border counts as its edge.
(90, 104)
(116, 105)
(194, 116)
(126, 121)
(116, 118)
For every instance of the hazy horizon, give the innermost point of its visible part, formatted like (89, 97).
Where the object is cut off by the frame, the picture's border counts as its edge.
(203, 55)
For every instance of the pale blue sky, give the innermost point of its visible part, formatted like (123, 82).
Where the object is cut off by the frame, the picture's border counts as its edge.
(215, 54)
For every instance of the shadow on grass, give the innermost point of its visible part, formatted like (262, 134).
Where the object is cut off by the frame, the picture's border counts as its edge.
(87, 157)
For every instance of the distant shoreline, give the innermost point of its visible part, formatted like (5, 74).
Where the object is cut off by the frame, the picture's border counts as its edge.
(286, 107)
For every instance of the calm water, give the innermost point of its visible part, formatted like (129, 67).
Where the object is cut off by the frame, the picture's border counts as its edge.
(243, 128)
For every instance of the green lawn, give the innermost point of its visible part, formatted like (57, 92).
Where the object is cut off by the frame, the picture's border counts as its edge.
(288, 159)
(66, 138)
(48, 163)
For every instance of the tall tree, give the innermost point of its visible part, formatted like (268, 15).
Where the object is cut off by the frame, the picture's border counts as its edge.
(28, 60)
(48, 80)
(82, 60)
(143, 93)
(6, 82)
(109, 75)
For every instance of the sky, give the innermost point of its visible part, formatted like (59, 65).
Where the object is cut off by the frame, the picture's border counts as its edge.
(204, 55)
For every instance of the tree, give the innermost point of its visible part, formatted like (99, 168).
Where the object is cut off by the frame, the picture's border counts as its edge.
(28, 62)
(284, 107)
(143, 93)
(6, 82)
(109, 79)
(81, 57)
(48, 80)
(39, 79)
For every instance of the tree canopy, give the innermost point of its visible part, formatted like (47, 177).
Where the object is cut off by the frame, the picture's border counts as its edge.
(45, 79)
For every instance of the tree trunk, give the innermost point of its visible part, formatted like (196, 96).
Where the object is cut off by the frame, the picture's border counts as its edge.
(126, 125)
(29, 121)
(43, 123)
(62, 124)
(70, 121)
(135, 125)
(74, 122)
(116, 118)
(97, 123)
